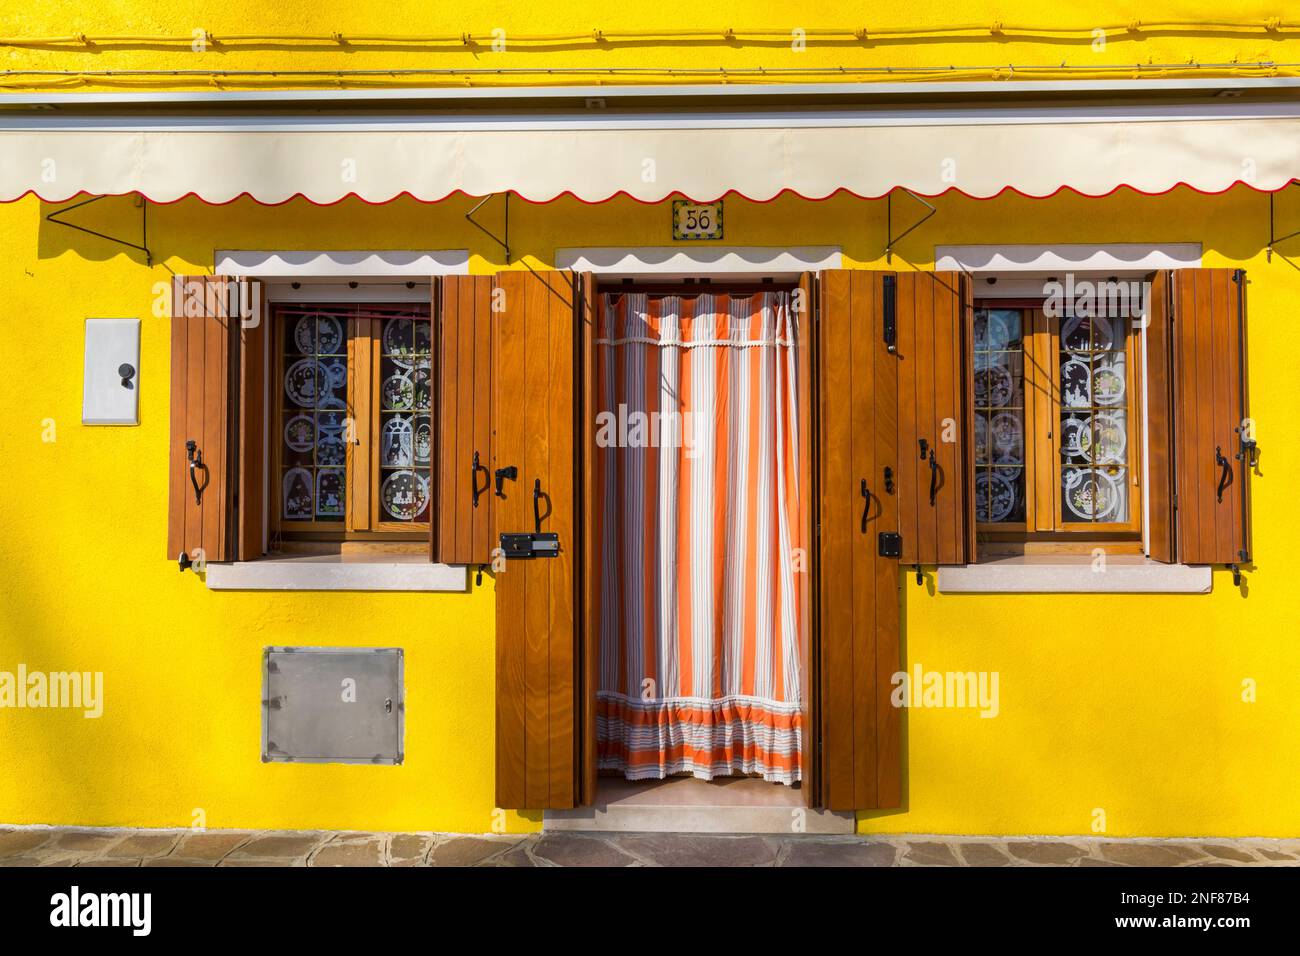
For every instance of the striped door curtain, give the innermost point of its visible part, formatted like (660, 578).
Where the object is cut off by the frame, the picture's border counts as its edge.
(697, 478)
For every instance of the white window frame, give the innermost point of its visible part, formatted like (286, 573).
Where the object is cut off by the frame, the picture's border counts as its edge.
(1020, 270)
(339, 275)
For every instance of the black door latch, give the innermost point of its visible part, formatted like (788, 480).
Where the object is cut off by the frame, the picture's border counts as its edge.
(511, 472)
(536, 543)
(889, 544)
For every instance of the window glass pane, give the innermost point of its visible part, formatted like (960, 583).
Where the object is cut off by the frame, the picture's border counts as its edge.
(999, 367)
(1094, 419)
(313, 402)
(405, 424)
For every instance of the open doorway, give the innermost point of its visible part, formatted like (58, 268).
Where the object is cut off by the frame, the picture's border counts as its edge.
(701, 691)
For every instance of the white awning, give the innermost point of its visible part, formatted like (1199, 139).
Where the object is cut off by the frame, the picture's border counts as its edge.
(651, 155)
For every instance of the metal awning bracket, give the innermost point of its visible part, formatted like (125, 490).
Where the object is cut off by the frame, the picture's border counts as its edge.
(1273, 237)
(890, 239)
(504, 243)
(144, 225)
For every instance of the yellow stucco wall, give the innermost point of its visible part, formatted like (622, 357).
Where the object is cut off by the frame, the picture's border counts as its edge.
(1128, 704)
(1067, 37)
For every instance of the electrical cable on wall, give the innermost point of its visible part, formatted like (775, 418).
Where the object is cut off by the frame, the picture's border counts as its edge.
(1265, 25)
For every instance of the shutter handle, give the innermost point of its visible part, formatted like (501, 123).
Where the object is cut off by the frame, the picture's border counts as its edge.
(473, 479)
(538, 495)
(934, 478)
(866, 504)
(1225, 477)
(194, 456)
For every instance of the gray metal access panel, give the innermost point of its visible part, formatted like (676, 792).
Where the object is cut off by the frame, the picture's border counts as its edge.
(332, 705)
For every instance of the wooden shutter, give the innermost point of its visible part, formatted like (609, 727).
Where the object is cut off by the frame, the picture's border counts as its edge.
(935, 479)
(859, 604)
(1197, 408)
(535, 404)
(1157, 352)
(462, 531)
(203, 335)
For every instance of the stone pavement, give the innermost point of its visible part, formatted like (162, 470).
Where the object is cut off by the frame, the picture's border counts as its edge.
(60, 846)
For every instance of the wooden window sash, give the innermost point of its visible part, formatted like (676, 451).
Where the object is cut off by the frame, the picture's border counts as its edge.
(279, 527)
(1133, 442)
(1031, 415)
(369, 409)
(362, 474)
(1042, 423)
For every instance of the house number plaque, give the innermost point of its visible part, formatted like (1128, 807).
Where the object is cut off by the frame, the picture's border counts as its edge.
(693, 220)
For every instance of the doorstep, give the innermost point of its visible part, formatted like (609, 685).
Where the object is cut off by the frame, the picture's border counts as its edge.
(687, 805)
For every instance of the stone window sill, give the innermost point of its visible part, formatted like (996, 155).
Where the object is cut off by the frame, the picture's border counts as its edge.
(1057, 574)
(338, 572)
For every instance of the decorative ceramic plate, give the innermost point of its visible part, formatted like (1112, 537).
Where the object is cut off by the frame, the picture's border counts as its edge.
(422, 336)
(1006, 429)
(318, 334)
(1076, 438)
(398, 341)
(396, 441)
(423, 379)
(399, 392)
(404, 494)
(1112, 439)
(301, 382)
(993, 386)
(999, 331)
(1075, 334)
(329, 493)
(296, 488)
(1108, 384)
(330, 450)
(995, 497)
(300, 433)
(331, 423)
(1092, 496)
(423, 442)
(1076, 391)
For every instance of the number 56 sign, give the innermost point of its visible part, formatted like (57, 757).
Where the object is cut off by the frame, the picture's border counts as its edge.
(692, 220)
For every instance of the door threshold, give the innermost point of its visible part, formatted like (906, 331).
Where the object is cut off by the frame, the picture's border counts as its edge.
(688, 805)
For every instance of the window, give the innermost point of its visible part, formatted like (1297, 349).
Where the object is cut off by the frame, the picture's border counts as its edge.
(1056, 445)
(353, 440)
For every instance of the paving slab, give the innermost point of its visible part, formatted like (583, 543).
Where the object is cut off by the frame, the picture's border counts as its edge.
(468, 850)
(209, 844)
(566, 849)
(350, 852)
(280, 846)
(839, 852)
(1045, 851)
(689, 849)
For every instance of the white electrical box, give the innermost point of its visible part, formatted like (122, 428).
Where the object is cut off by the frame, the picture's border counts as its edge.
(111, 394)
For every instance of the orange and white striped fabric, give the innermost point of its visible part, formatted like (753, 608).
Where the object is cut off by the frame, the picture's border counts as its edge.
(697, 484)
